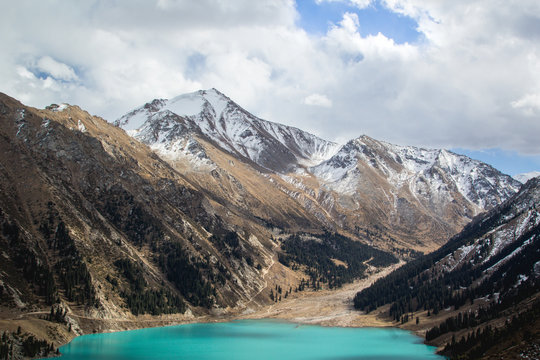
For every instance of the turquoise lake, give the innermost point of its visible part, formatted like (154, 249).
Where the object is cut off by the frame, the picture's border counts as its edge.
(253, 340)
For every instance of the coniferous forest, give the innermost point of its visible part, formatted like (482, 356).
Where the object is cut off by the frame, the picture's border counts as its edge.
(498, 281)
(332, 258)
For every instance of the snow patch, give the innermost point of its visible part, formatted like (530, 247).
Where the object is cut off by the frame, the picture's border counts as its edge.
(81, 126)
(536, 268)
(509, 256)
(188, 149)
(453, 260)
(20, 115)
(187, 105)
(521, 279)
(523, 178)
(19, 128)
(216, 100)
(136, 120)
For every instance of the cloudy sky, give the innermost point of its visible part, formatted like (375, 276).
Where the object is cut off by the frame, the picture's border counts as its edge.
(460, 74)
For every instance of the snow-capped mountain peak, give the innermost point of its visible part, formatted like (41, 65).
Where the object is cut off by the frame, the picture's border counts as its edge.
(523, 178)
(413, 192)
(423, 172)
(212, 115)
(191, 104)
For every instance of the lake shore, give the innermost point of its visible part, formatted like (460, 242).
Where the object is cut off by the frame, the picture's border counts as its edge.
(323, 307)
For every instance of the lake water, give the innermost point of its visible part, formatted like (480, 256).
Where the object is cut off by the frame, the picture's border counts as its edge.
(253, 340)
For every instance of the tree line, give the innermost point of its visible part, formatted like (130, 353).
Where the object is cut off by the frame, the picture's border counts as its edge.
(142, 300)
(418, 285)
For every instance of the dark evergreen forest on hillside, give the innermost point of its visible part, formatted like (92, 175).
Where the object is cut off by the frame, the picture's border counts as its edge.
(319, 254)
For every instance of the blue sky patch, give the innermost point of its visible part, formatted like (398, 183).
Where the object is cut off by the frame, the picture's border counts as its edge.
(42, 75)
(509, 162)
(195, 65)
(317, 18)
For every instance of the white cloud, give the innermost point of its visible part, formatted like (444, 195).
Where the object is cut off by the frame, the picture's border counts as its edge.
(56, 69)
(471, 81)
(318, 100)
(345, 38)
(349, 24)
(360, 4)
(25, 73)
(530, 104)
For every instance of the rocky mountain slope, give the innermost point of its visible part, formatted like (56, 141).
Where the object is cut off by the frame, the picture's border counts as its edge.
(95, 226)
(205, 210)
(480, 290)
(98, 232)
(415, 193)
(387, 195)
(213, 116)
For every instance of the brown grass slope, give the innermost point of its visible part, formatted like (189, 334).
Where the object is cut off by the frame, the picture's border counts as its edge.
(77, 195)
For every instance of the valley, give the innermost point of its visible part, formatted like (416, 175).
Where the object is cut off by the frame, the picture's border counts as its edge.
(194, 210)
(323, 307)
(326, 307)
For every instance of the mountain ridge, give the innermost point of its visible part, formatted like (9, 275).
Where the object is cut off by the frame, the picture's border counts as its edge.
(97, 225)
(362, 182)
(416, 160)
(230, 126)
(480, 279)
(103, 231)
(523, 178)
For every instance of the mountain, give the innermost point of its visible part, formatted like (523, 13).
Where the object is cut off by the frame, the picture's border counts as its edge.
(523, 178)
(212, 115)
(425, 172)
(479, 293)
(421, 193)
(231, 155)
(390, 196)
(203, 211)
(97, 230)
(99, 233)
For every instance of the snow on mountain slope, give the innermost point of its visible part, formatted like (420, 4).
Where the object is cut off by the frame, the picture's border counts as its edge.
(211, 114)
(420, 196)
(523, 178)
(510, 229)
(483, 276)
(426, 173)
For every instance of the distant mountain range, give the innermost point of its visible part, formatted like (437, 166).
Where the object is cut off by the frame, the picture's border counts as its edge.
(410, 197)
